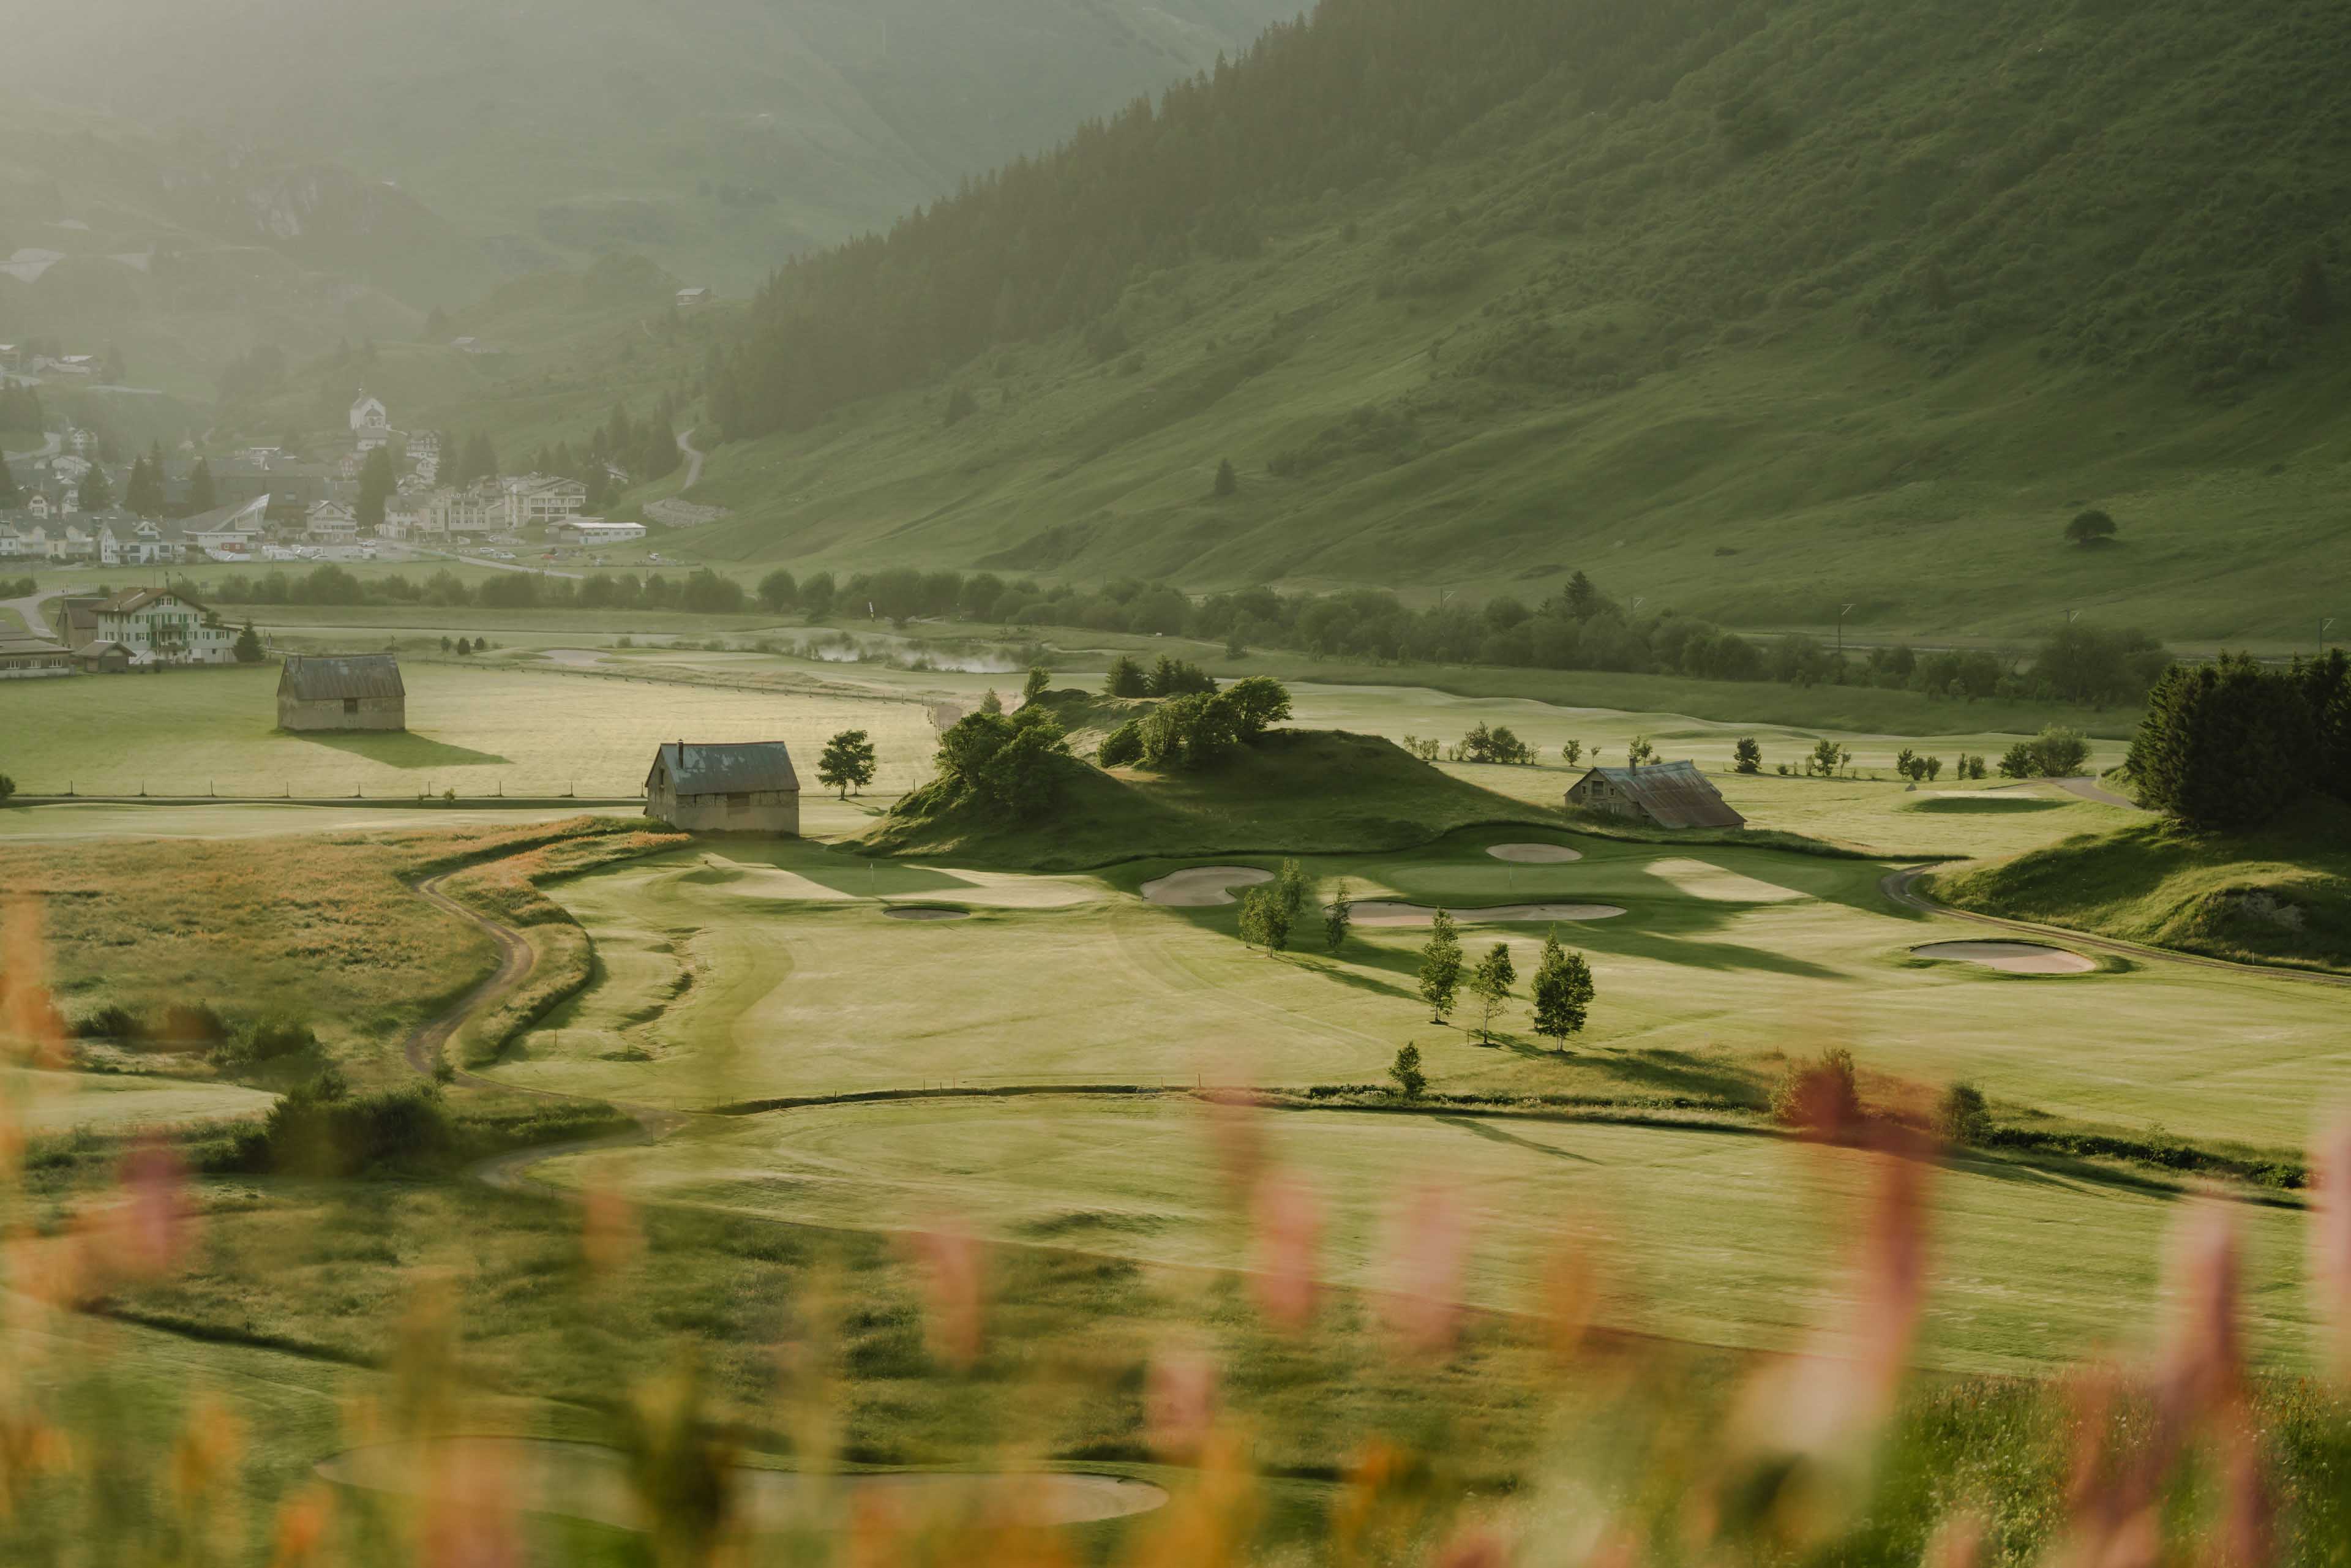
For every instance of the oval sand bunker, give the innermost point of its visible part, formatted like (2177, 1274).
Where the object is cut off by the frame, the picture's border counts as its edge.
(581, 1480)
(1378, 913)
(1203, 886)
(925, 912)
(1535, 854)
(2009, 958)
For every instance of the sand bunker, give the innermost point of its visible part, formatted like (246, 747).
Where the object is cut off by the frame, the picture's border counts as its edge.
(1376, 913)
(1203, 886)
(2009, 958)
(1535, 854)
(925, 912)
(581, 1480)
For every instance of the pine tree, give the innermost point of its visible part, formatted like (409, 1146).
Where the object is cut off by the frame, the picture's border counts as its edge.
(1746, 755)
(202, 496)
(1562, 992)
(1440, 966)
(97, 494)
(376, 485)
(1228, 479)
(1035, 686)
(1410, 1080)
(11, 498)
(248, 645)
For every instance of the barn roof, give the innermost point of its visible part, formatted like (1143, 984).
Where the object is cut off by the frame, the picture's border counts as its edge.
(1675, 793)
(322, 678)
(738, 770)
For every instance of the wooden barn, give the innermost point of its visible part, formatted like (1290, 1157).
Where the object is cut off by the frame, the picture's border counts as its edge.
(341, 692)
(740, 788)
(1664, 795)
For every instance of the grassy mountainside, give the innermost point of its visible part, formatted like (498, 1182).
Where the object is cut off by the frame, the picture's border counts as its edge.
(1756, 310)
(2280, 896)
(1289, 791)
(720, 136)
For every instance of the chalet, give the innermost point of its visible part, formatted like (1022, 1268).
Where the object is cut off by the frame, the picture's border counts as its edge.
(1665, 795)
(33, 658)
(687, 298)
(159, 626)
(741, 788)
(12, 542)
(350, 691)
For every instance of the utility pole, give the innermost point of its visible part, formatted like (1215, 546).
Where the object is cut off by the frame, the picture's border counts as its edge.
(2323, 627)
(1841, 615)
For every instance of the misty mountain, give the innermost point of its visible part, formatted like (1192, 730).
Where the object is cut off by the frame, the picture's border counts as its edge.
(716, 137)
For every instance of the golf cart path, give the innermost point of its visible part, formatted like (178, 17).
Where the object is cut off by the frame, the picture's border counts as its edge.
(426, 1043)
(2091, 789)
(693, 456)
(1900, 888)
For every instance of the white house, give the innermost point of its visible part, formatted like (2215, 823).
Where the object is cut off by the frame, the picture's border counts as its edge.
(595, 531)
(160, 627)
(369, 414)
(31, 658)
(125, 540)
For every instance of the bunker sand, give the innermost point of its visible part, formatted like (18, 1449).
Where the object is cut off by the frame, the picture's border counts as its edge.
(1535, 854)
(2011, 957)
(1203, 887)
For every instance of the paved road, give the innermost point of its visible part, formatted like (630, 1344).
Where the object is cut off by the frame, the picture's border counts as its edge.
(693, 461)
(2091, 789)
(1900, 887)
(37, 622)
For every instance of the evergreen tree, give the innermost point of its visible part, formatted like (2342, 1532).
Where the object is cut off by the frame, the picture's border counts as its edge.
(1563, 992)
(201, 495)
(779, 591)
(97, 494)
(1490, 983)
(1440, 966)
(143, 493)
(377, 484)
(1746, 755)
(2225, 744)
(847, 762)
(1126, 679)
(1036, 685)
(248, 645)
(1229, 481)
(11, 496)
(1265, 920)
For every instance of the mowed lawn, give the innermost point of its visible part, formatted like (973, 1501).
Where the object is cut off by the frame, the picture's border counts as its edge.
(1718, 1237)
(475, 729)
(732, 977)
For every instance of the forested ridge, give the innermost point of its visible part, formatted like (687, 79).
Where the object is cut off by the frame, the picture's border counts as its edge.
(2131, 184)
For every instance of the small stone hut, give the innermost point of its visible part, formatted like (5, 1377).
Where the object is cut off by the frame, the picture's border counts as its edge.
(341, 692)
(1664, 795)
(749, 787)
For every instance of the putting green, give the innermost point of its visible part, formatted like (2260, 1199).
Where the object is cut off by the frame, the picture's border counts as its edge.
(1720, 1238)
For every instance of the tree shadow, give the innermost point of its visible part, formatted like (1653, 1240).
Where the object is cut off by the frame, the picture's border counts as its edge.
(1679, 1073)
(399, 748)
(1483, 1128)
(2039, 1169)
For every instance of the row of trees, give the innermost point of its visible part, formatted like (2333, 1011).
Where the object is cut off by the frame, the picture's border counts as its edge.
(1194, 730)
(702, 592)
(2231, 745)
(1562, 990)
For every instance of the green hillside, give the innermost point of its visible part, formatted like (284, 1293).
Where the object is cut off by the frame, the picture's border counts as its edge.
(1754, 310)
(717, 137)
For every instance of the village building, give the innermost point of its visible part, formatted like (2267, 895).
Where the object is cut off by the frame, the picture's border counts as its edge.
(689, 298)
(12, 542)
(1664, 795)
(332, 523)
(162, 626)
(230, 533)
(369, 414)
(537, 499)
(741, 788)
(595, 531)
(33, 658)
(124, 539)
(103, 659)
(341, 692)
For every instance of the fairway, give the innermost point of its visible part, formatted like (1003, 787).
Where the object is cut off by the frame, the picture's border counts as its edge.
(734, 976)
(46, 1101)
(475, 729)
(1718, 1237)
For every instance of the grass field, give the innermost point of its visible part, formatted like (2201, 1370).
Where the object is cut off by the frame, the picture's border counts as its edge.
(1714, 1238)
(475, 730)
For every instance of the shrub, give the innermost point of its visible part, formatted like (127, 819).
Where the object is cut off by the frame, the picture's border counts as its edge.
(2090, 528)
(1123, 748)
(1963, 1117)
(318, 1129)
(275, 1038)
(191, 1027)
(1405, 1071)
(1822, 1098)
(2059, 752)
(113, 1021)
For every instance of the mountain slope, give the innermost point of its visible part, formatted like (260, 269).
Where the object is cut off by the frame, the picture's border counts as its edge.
(1755, 309)
(715, 137)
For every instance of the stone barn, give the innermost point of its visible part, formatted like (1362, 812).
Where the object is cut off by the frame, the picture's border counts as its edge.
(742, 788)
(1664, 795)
(341, 692)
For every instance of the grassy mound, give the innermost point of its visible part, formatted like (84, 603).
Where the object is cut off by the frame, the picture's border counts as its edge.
(1087, 716)
(2278, 895)
(1304, 791)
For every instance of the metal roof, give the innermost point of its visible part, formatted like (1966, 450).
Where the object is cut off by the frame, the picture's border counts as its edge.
(1675, 794)
(321, 678)
(738, 770)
